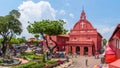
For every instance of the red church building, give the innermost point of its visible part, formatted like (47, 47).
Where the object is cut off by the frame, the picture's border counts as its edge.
(84, 38)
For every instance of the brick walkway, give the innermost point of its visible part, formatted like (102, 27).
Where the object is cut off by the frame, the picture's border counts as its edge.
(80, 62)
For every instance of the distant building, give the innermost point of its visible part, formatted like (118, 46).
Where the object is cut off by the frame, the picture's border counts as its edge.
(33, 41)
(61, 41)
(84, 38)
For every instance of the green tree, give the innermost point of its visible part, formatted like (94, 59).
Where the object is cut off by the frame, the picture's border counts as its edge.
(47, 27)
(22, 40)
(36, 36)
(14, 41)
(9, 25)
(104, 42)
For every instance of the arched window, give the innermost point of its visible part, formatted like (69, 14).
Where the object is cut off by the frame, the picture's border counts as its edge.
(119, 44)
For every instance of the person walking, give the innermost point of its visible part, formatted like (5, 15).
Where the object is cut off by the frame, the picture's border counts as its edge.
(67, 58)
(86, 62)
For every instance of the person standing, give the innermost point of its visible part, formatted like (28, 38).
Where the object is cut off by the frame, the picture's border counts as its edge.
(86, 62)
(67, 58)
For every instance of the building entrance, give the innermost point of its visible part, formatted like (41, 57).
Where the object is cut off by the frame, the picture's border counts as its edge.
(78, 50)
(85, 50)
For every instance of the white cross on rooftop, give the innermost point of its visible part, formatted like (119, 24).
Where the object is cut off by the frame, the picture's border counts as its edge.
(82, 24)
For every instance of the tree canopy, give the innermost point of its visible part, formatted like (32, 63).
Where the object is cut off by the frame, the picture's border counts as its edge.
(36, 36)
(49, 28)
(104, 42)
(9, 26)
(22, 40)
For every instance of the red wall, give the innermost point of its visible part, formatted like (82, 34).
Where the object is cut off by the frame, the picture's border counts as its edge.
(115, 45)
(115, 41)
(61, 41)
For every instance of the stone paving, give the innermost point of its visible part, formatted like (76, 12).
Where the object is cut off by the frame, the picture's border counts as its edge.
(80, 62)
(23, 61)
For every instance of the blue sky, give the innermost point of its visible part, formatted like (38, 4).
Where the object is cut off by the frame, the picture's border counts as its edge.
(103, 14)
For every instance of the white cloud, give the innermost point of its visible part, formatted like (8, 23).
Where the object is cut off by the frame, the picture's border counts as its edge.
(106, 31)
(31, 11)
(71, 15)
(69, 25)
(62, 12)
(65, 20)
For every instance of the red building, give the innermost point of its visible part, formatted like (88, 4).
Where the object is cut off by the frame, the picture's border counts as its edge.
(61, 41)
(114, 41)
(33, 41)
(114, 44)
(83, 38)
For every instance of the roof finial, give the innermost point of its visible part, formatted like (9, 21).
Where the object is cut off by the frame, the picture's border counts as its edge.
(83, 8)
(83, 14)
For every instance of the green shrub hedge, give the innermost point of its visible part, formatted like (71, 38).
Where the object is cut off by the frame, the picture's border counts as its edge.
(31, 56)
(43, 58)
(28, 65)
(51, 62)
(27, 54)
(1, 61)
(41, 65)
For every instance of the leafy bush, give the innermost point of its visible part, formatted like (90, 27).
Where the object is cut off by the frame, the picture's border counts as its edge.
(35, 41)
(27, 53)
(51, 62)
(22, 40)
(43, 58)
(14, 41)
(52, 65)
(28, 65)
(0, 61)
(41, 65)
(31, 56)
